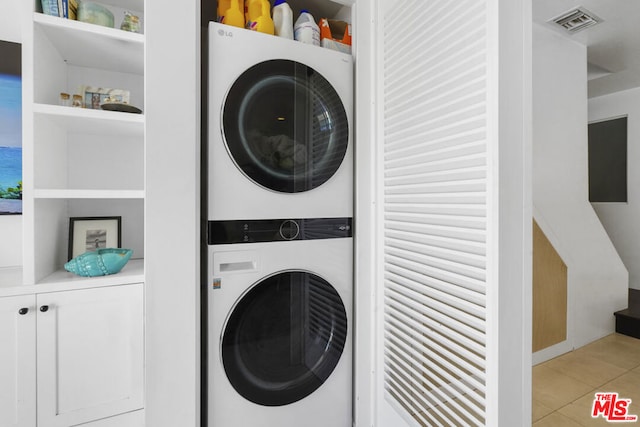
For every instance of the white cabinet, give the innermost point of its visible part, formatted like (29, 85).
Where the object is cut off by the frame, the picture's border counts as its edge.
(17, 361)
(89, 357)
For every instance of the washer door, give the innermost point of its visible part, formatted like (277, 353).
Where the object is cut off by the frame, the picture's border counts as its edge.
(285, 126)
(283, 338)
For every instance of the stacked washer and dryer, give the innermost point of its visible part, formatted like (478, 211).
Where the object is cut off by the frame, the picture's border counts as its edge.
(280, 255)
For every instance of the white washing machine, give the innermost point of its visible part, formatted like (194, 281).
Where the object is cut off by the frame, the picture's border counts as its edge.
(280, 128)
(280, 329)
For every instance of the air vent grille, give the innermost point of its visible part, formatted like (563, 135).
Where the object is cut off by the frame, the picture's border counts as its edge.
(576, 20)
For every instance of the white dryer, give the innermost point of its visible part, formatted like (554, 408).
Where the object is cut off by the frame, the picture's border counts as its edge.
(279, 329)
(280, 128)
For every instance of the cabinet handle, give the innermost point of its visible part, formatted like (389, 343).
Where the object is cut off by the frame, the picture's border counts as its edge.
(44, 308)
(23, 311)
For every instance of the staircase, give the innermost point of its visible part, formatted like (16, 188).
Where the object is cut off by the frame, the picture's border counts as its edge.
(628, 320)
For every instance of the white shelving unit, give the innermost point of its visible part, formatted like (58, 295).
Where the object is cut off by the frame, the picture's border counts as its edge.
(77, 162)
(80, 162)
(126, 49)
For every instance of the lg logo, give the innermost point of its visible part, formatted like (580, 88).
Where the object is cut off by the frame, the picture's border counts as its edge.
(224, 33)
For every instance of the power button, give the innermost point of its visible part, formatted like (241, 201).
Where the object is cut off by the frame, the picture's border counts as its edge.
(289, 229)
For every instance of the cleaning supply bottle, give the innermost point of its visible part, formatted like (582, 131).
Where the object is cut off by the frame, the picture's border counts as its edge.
(306, 30)
(234, 14)
(223, 6)
(252, 9)
(283, 19)
(262, 22)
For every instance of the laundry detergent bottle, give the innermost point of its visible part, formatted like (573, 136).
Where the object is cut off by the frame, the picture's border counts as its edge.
(306, 30)
(252, 9)
(223, 6)
(283, 19)
(260, 21)
(234, 15)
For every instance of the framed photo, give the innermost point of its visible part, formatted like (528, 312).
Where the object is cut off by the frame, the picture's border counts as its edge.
(86, 234)
(93, 97)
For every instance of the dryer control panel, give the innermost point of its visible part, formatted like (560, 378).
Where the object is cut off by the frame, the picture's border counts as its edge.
(274, 230)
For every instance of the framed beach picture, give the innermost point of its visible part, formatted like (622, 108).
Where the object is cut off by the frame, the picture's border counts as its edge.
(10, 128)
(87, 234)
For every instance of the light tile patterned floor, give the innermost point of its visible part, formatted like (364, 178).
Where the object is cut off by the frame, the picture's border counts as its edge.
(564, 387)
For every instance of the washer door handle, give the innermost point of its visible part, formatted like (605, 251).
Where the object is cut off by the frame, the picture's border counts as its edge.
(238, 266)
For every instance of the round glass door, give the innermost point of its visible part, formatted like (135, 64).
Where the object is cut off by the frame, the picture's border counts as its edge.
(284, 338)
(285, 126)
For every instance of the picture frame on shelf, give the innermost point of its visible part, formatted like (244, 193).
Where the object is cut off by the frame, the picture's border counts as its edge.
(86, 234)
(93, 97)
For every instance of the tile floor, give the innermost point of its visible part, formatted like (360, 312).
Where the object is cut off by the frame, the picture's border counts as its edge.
(564, 387)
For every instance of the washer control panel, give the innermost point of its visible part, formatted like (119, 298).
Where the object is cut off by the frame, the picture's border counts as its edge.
(273, 230)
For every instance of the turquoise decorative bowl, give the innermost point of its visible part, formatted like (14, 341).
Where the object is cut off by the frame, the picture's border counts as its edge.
(99, 263)
(95, 13)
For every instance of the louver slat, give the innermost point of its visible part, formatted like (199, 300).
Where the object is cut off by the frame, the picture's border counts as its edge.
(437, 373)
(434, 218)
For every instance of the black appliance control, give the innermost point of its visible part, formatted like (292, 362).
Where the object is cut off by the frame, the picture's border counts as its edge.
(289, 229)
(274, 230)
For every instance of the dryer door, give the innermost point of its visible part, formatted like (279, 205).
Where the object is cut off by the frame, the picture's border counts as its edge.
(285, 126)
(283, 338)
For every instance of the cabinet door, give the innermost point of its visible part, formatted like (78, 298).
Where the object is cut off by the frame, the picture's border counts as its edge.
(90, 354)
(17, 361)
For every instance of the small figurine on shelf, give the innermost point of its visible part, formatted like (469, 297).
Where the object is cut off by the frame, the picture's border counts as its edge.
(65, 99)
(77, 101)
(100, 262)
(130, 23)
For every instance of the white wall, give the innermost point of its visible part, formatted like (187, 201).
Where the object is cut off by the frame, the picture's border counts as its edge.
(172, 206)
(10, 18)
(10, 225)
(622, 220)
(597, 278)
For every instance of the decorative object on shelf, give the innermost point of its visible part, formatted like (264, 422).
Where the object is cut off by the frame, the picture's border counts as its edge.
(120, 106)
(63, 9)
(95, 13)
(50, 7)
(130, 22)
(94, 97)
(101, 262)
(73, 9)
(65, 99)
(87, 234)
(77, 101)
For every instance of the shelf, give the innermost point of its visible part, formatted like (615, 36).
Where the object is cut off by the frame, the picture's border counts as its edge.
(84, 120)
(87, 194)
(133, 5)
(320, 8)
(133, 272)
(62, 280)
(94, 46)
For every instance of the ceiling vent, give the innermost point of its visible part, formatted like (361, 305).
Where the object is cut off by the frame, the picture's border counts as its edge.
(576, 20)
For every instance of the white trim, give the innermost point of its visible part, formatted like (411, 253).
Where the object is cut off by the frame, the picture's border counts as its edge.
(551, 352)
(365, 134)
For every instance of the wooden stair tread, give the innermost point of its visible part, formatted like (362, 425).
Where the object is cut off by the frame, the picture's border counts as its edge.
(628, 320)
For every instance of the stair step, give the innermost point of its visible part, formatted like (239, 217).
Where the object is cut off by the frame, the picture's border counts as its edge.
(628, 323)
(628, 320)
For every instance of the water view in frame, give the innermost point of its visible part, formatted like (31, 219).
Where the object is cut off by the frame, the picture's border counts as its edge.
(10, 129)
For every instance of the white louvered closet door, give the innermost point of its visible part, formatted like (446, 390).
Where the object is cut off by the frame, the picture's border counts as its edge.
(435, 211)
